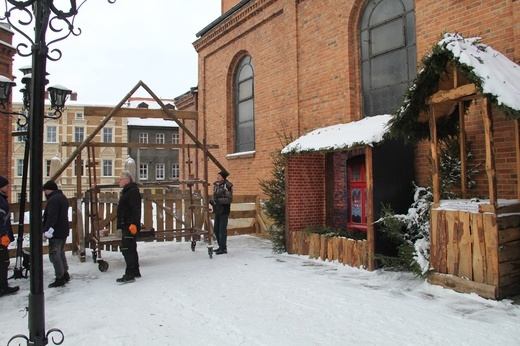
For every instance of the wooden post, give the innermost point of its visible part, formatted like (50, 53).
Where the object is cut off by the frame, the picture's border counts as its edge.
(462, 142)
(435, 156)
(370, 206)
(490, 156)
(517, 149)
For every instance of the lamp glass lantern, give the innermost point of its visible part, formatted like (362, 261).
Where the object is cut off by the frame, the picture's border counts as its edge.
(59, 95)
(6, 85)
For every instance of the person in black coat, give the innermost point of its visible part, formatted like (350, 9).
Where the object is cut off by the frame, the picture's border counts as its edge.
(56, 230)
(129, 222)
(6, 237)
(221, 203)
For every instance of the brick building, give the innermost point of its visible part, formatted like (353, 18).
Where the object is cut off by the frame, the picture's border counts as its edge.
(77, 122)
(308, 68)
(7, 52)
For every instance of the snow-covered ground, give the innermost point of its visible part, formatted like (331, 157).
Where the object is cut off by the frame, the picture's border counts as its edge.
(254, 297)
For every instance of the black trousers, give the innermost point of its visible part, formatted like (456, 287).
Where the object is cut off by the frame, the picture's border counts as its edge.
(129, 250)
(220, 228)
(4, 265)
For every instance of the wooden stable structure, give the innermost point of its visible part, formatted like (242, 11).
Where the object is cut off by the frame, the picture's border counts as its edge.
(349, 186)
(475, 245)
(96, 229)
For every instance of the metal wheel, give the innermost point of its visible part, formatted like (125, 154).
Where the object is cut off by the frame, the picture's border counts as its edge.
(102, 266)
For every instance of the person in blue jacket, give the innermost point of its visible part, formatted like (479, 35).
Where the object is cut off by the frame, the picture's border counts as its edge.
(6, 237)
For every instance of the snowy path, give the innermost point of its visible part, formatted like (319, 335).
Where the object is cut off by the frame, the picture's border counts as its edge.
(254, 297)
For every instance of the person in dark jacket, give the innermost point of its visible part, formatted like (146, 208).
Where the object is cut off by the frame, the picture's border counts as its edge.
(6, 237)
(221, 203)
(129, 222)
(56, 230)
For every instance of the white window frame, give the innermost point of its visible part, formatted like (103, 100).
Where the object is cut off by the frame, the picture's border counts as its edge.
(175, 171)
(48, 168)
(107, 164)
(51, 134)
(19, 167)
(143, 137)
(21, 139)
(108, 135)
(175, 138)
(82, 168)
(143, 171)
(76, 133)
(159, 171)
(159, 138)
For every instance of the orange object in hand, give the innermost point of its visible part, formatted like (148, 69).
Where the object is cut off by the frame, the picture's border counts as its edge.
(133, 229)
(5, 240)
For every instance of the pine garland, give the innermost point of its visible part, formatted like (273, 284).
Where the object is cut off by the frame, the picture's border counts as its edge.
(405, 122)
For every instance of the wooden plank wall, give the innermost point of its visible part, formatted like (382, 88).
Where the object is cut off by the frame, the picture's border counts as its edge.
(482, 249)
(346, 251)
(461, 244)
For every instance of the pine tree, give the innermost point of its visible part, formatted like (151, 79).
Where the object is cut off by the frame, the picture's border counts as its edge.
(274, 189)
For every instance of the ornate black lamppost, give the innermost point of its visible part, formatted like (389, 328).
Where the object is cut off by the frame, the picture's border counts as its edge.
(45, 15)
(58, 95)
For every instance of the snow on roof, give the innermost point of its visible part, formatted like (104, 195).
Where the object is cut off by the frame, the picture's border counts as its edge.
(470, 205)
(499, 75)
(367, 131)
(151, 122)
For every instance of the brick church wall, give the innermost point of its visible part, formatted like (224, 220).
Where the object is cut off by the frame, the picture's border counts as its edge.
(305, 195)
(308, 75)
(6, 69)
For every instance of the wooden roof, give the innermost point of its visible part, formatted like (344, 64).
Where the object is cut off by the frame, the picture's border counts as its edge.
(444, 83)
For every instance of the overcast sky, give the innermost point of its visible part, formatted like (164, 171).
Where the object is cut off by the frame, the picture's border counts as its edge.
(124, 43)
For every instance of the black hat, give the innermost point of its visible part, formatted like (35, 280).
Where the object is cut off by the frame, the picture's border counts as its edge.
(3, 181)
(50, 185)
(224, 174)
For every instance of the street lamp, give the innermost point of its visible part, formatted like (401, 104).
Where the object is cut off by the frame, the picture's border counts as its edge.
(58, 97)
(46, 17)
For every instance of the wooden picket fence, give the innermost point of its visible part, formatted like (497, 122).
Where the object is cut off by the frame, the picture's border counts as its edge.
(349, 252)
(173, 214)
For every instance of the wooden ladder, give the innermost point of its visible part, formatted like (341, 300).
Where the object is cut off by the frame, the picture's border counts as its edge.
(94, 201)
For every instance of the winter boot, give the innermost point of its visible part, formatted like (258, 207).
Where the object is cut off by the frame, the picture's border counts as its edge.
(57, 283)
(126, 279)
(66, 277)
(8, 290)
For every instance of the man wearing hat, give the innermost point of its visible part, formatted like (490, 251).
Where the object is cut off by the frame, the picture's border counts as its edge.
(56, 230)
(6, 237)
(221, 202)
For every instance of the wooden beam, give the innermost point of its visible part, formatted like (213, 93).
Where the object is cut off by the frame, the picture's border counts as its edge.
(142, 113)
(490, 153)
(435, 157)
(462, 142)
(369, 176)
(453, 94)
(185, 129)
(137, 145)
(462, 285)
(517, 150)
(89, 138)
